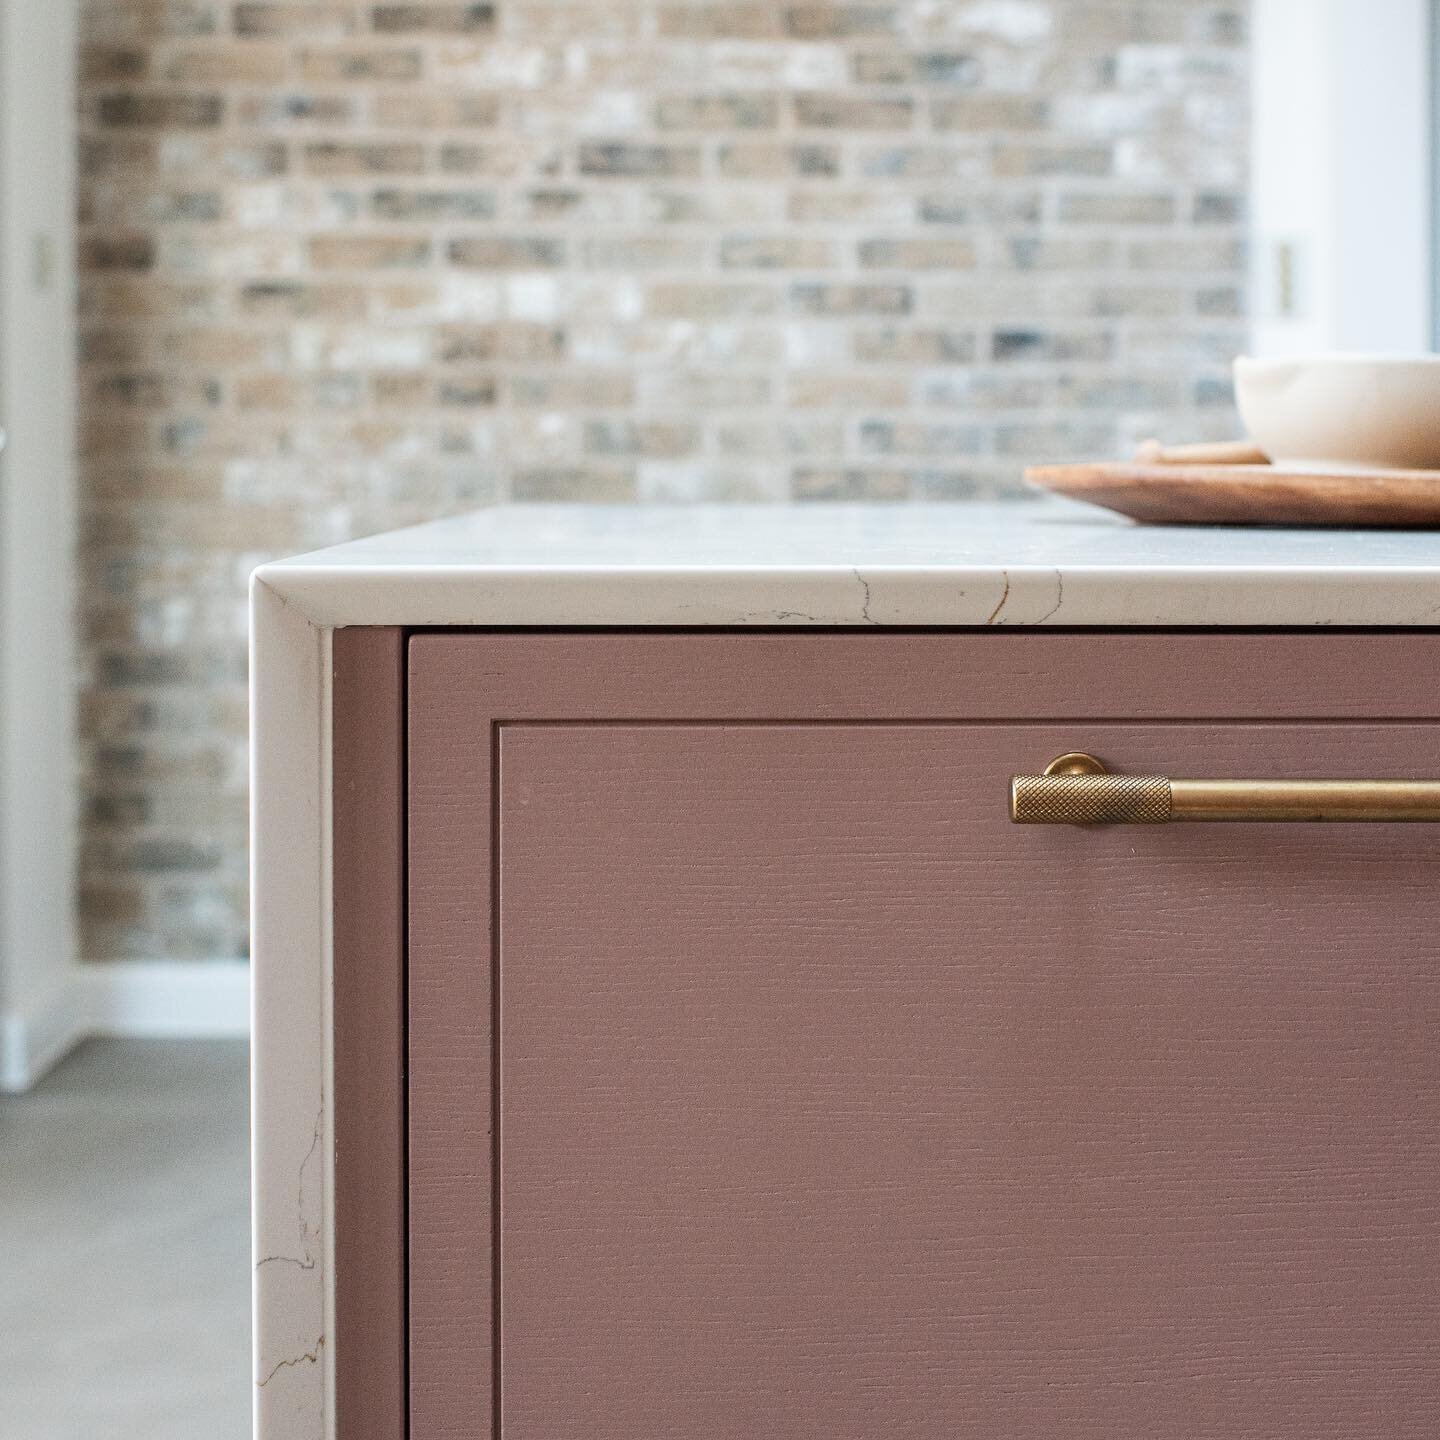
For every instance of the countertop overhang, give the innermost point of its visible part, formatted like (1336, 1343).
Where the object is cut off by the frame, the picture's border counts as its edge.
(1030, 563)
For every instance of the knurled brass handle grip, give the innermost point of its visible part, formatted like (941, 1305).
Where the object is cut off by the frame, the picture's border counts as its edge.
(1090, 800)
(1076, 789)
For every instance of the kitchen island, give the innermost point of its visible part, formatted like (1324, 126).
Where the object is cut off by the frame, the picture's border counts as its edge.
(660, 1027)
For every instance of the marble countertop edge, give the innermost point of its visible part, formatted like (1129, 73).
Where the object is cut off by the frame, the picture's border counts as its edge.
(962, 565)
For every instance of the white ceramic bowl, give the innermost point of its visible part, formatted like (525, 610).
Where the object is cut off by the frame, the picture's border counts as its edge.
(1343, 412)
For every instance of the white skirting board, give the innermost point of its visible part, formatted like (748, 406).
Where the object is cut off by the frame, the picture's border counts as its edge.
(34, 1039)
(177, 999)
(180, 998)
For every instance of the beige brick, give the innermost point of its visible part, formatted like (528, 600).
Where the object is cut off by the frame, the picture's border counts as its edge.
(573, 205)
(704, 389)
(1058, 439)
(463, 19)
(1220, 300)
(595, 484)
(156, 110)
(845, 390)
(332, 158)
(891, 345)
(968, 162)
(646, 252)
(1053, 159)
(403, 391)
(1206, 255)
(741, 111)
(767, 160)
(272, 391)
(1117, 209)
(367, 252)
(627, 436)
(847, 299)
(621, 158)
(920, 437)
(462, 344)
(432, 111)
(938, 67)
(990, 112)
(228, 347)
(979, 207)
(850, 483)
(1052, 345)
(150, 390)
(496, 63)
(985, 392)
(244, 160)
(669, 205)
(301, 299)
(712, 300)
(294, 20)
(502, 158)
(285, 108)
(140, 299)
(223, 63)
(466, 391)
(1218, 207)
(695, 481)
(1061, 252)
(742, 20)
(103, 157)
(841, 21)
(832, 205)
(346, 64)
(508, 252)
(572, 389)
(649, 342)
(1117, 302)
(923, 253)
(429, 206)
(149, 20)
(117, 252)
(764, 439)
(778, 252)
(109, 64)
(1081, 392)
(843, 111)
(585, 20)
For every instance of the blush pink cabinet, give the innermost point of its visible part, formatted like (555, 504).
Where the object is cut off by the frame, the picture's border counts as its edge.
(763, 1079)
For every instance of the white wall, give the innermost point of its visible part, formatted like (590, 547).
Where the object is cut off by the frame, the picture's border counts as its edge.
(1342, 173)
(38, 994)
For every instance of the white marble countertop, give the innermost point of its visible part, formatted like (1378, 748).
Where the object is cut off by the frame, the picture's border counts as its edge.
(1047, 562)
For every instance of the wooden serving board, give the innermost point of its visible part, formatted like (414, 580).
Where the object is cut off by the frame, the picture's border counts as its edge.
(1161, 494)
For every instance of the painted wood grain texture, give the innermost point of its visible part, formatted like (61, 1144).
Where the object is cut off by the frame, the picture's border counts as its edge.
(832, 1104)
(882, 675)
(449, 965)
(835, 1105)
(368, 725)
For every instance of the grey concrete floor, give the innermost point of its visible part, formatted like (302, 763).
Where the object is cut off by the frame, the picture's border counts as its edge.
(124, 1246)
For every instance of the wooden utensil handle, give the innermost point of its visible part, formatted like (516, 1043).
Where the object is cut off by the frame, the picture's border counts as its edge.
(1229, 452)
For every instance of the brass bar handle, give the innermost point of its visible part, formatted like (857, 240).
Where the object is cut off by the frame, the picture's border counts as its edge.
(1077, 789)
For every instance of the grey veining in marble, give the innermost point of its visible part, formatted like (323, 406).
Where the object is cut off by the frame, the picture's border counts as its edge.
(1049, 562)
(124, 1246)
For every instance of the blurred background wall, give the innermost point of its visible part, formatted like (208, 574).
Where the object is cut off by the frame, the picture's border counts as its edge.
(346, 266)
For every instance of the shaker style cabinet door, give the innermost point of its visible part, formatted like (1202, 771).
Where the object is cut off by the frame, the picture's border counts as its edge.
(766, 1080)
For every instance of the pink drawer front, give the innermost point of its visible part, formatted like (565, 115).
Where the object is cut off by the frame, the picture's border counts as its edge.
(765, 1080)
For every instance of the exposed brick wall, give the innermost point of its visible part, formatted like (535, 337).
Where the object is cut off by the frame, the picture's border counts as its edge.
(348, 265)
